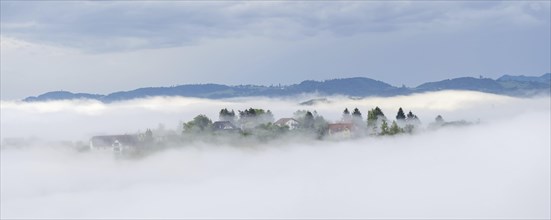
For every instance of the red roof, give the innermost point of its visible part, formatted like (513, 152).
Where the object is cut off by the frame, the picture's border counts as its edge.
(339, 127)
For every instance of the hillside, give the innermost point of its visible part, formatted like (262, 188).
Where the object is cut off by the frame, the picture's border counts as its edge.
(356, 87)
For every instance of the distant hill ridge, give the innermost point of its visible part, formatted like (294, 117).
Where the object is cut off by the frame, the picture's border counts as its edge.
(356, 86)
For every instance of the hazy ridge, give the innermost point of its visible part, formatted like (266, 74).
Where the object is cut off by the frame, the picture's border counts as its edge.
(520, 86)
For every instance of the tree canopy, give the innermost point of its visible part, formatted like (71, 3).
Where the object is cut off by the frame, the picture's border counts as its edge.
(200, 122)
(226, 115)
(373, 115)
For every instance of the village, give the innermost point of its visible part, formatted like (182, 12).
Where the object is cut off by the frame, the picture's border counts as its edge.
(255, 125)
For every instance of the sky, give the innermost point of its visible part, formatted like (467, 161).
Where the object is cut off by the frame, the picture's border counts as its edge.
(495, 169)
(103, 46)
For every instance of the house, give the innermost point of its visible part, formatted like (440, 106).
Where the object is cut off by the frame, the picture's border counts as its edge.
(289, 122)
(340, 129)
(113, 142)
(224, 126)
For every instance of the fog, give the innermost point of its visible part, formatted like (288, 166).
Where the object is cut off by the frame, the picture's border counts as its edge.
(497, 168)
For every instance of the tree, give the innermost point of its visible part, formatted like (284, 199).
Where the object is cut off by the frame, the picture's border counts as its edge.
(346, 112)
(373, 116)
(384, 128)
(268, 117)
(346, 115)
(378, 112)
(148, 136)
(199, 123)
(357, 119)
(439, 119)
(411, 116)
(412, 120)
(226, 115)
(308, 121)
(357, 113)
(319, 124)
(250, 118)
(394, 129)
(401, 115)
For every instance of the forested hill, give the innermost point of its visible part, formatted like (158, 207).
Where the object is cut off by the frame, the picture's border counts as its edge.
(357, 87)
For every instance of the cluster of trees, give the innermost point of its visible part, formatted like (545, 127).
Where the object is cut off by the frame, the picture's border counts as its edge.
(240, 126)
(255, 120)
(251, 118)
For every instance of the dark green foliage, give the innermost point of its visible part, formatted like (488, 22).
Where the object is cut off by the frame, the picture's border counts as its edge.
(199, 123)
(384, 128)
(319, 125)
(226, 115)
(249, 113)
(401, 115)
(371, 118)
(394, 129)
(373, 115)
(250, 118)
(378, 111)
(268, 131)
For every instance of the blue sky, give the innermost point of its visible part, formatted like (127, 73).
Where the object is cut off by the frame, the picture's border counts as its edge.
(101, 47)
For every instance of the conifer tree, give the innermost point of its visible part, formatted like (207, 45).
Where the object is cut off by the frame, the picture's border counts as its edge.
(357, 113)
(384, 128)
(411, 116)
(439, 119)
(308, 120)
(401, 115)
(346, 115)
(226, 115)
(373, 116)
(394, 129)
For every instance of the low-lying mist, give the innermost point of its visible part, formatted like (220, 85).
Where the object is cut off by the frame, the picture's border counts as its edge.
(498, 168)
(81, 119)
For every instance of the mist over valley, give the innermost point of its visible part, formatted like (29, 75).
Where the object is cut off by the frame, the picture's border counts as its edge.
(495, 167)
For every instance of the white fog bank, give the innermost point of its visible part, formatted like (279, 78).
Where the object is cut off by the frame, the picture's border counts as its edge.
(81, 119)
(499, 168)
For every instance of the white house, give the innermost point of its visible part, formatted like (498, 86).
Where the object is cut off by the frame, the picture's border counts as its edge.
(289, 122)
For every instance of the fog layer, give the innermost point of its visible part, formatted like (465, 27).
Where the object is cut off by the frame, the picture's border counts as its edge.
(81, 119)
(499, 168)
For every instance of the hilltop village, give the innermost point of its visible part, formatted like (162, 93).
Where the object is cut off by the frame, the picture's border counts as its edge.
(254, 125)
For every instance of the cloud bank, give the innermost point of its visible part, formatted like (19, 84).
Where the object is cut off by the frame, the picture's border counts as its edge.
(496, 169)
(100, 26)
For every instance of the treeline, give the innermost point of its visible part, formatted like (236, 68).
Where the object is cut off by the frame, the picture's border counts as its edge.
(261, 122)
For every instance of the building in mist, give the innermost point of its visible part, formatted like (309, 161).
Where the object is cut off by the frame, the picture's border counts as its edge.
(113, 142)
(289, 122)
(224, 126)
(341, 130)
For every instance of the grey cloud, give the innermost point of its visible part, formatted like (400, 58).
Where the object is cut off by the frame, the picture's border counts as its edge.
(106, 26)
